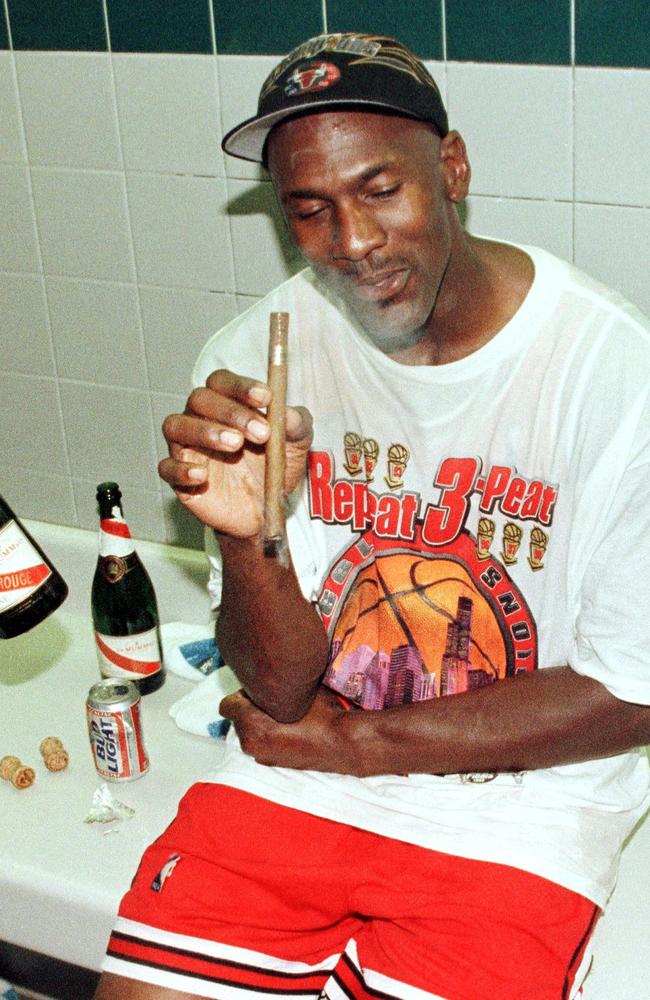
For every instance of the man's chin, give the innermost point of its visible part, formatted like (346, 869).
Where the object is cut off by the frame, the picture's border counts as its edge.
(396, 343)
(389, 331)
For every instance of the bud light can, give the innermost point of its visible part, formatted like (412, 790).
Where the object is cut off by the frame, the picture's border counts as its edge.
(115, 731)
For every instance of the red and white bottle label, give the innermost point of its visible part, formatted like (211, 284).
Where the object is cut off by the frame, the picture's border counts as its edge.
(114, 536)
(22, 570)
(128, 656)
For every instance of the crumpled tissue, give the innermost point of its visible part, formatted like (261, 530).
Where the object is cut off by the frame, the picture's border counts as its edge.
(106, 808)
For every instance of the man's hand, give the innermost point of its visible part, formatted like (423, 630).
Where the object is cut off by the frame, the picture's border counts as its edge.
(315, 743)
(216, 447)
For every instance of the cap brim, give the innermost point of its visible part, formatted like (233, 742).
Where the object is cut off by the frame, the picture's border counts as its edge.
(246, 141)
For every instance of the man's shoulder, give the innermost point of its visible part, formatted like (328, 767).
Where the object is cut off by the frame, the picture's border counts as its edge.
(245, 338)
(605, 300)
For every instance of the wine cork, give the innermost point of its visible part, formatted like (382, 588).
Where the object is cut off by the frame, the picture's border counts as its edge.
(12, 769)
(54, 753)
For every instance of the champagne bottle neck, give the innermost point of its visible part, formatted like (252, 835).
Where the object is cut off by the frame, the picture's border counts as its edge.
(114, 535)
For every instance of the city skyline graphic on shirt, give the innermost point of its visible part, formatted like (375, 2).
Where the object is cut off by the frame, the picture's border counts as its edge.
(413, 627)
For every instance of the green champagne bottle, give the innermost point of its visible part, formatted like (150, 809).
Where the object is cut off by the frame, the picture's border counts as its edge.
(30, 586)
(123, 601)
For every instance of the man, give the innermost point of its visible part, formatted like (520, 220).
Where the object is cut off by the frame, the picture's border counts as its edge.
(469, 525)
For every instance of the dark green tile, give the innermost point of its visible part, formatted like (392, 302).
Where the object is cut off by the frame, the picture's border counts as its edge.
(509, 31)
(159, 25)
(58, 24)
(613, 34)
(4, 35)
(418, 24)
(256, 26)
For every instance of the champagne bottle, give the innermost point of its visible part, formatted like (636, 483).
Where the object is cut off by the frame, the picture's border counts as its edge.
(30, 587)
(124, 609)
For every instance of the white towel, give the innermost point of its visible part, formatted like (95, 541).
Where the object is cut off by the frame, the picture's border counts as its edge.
(198, 711)
(190, 650)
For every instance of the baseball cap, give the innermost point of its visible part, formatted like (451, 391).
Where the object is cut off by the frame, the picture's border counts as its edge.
(356, 70)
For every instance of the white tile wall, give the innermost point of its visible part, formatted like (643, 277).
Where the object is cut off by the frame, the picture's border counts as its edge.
(11, 137)
(263, 255)
(613, 136)
(110, 433)
(517, 123)
(40, 495)
(126, 238)
(96, 331)
(18, 239)
(25, 344)
(143, 508)
(177, 323)
(83, 223)
(180, 231)
(523, 220)
(168, 106)
(612, 244)
(240, 79)
(32, 436)
(69, 112)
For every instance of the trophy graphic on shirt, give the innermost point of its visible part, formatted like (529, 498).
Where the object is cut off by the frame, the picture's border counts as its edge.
(353, 447)
(538, 544)
(485, 535)
(370, 456)
(398, 456)
(512, 534)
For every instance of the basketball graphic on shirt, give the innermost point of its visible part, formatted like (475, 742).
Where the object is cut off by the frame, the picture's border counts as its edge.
(411, 624)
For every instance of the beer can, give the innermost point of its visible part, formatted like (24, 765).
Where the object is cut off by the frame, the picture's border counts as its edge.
(115, 730)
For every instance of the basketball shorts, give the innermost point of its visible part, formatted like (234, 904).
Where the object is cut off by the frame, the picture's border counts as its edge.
(241, 898)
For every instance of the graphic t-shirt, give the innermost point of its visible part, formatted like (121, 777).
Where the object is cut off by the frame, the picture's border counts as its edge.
(463, 523)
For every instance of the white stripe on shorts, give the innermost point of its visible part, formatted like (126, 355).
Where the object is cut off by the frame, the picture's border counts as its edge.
(215, 949)
(379, 981)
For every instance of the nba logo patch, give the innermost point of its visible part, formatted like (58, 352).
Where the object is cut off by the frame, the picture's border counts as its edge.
(165, 872)
(311, 76)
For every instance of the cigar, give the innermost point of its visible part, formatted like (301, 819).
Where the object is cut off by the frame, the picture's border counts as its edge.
(274, 510)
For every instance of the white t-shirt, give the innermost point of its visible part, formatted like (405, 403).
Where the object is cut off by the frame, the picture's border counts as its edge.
(464, 522)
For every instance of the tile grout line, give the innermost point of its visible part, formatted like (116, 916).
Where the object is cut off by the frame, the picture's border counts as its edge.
(134, 261)
(5, 10)
(217, 79)
(213, 28)
(443, 31)
(572, 15)
(41, 272)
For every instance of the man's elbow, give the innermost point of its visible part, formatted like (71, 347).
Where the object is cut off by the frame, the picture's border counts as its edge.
(284, 706)
(637, 724)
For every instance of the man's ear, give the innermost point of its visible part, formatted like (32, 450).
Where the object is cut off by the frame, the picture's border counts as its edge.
(455, 165)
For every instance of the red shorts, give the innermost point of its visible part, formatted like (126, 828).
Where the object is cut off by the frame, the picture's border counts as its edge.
(240, 895)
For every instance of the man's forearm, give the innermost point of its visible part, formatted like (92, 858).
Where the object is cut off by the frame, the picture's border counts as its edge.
(267, 632)
(554, 716)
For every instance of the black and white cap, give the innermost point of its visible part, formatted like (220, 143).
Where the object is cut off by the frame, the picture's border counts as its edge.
(353, 70)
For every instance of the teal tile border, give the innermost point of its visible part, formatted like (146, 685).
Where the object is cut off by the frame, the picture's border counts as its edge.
(160, 26)
(500, 31)
(417, 24)
(251, 27)
(509, 31)
(58, 24)
(609, 34)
